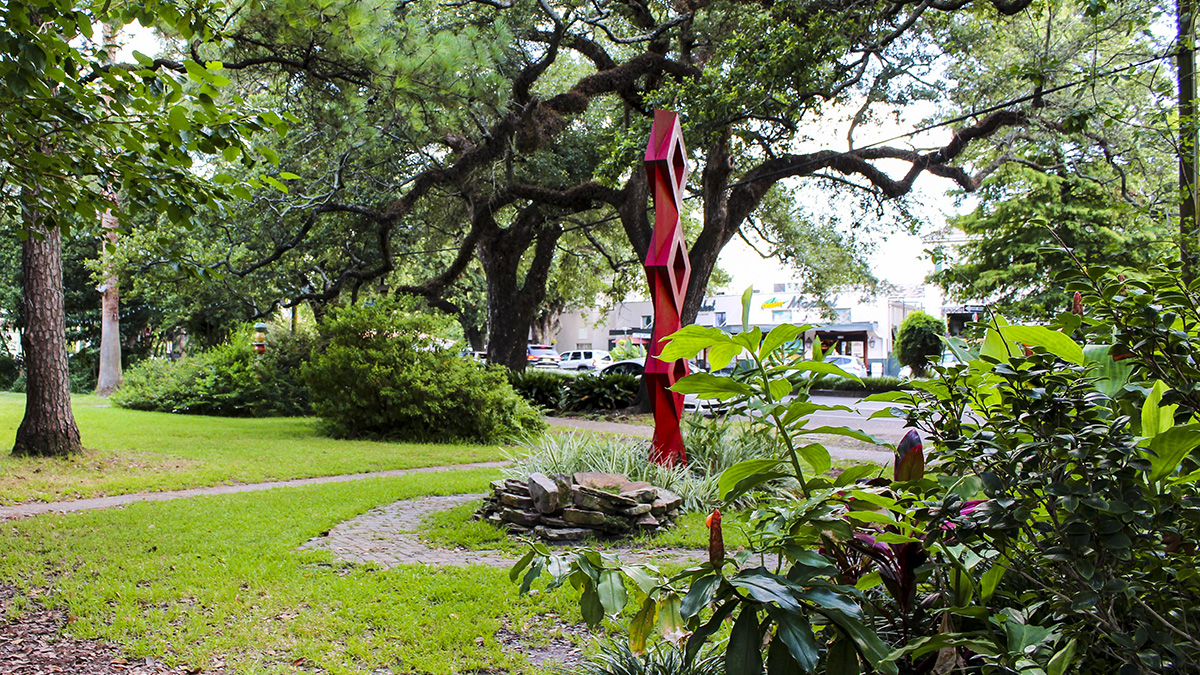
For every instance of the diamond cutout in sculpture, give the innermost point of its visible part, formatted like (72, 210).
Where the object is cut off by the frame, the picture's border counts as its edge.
(679, 169)
(681, 268)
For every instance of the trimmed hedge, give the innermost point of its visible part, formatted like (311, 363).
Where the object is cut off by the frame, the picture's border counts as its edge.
(560, 392)
(543, 388)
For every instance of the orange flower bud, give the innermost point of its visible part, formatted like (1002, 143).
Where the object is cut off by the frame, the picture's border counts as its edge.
(716, 544)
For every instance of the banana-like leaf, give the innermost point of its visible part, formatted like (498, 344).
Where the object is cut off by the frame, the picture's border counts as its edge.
(690, 340)
(842, 431)
(1168, 449)
(699, 595)
(796, 632)
(747, 474)
(779, 336)
(817, 456)
(743, 655)
(612, 592)
(642, 624)
(670, 621)
(707, 385)
(1157, 418)
(1113, 374)
(1058, 344)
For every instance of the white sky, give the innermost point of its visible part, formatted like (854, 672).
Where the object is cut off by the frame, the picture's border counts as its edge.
(898, 257)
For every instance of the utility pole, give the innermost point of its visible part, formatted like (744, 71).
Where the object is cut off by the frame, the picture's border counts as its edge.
(1185, 61)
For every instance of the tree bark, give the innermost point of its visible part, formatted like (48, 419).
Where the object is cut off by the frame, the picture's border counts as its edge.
(110, 315)
(48, 428)
(513, 302)
(1185, 61)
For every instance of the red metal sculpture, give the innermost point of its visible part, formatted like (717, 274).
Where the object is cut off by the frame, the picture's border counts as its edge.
(668, 270)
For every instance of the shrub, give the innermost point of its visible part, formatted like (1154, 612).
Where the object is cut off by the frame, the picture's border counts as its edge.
(600, 392)
(919, 339)
(381, 374)
(542, 388)
(10, 369)
(1058, 529)
(557, 391)
(229, 380)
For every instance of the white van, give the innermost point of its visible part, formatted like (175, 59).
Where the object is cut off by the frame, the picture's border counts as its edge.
(585, 359)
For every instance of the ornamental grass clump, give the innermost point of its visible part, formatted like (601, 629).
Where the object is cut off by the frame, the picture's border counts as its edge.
(713, 446)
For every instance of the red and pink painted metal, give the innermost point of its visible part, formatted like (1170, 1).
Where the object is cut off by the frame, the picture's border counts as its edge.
(668, 270)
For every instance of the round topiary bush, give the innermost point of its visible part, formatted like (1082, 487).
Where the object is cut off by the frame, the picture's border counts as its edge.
(918, 340)
(381, 373)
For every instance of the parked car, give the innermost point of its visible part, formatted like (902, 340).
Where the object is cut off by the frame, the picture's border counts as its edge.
(626, 367)
(585, 359)
(850, 364)
(542, 356)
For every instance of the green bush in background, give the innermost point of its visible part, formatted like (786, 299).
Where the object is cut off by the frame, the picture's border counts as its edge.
(543, 388)
(381, 372)
(918, 340)
(229, 380)
(600, 392)
(557, 391)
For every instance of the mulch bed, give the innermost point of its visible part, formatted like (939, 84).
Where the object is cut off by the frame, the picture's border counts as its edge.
(35, 644)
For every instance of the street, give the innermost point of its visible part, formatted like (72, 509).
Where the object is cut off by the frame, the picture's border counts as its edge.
(888, 429)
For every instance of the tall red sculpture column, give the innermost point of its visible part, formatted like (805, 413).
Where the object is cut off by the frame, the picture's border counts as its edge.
(668, 270)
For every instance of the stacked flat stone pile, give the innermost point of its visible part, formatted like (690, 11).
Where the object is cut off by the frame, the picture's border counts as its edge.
(569, 508)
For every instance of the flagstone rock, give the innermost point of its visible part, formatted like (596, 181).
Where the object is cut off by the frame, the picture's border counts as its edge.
(609, 498)
(516, 501)
(545, 494)
(561, 508)
(639, 510)
(600, 481)
(644, 495)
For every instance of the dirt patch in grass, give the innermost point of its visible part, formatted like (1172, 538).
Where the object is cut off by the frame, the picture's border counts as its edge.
(83, 475)
(561, 650)
(34, 643)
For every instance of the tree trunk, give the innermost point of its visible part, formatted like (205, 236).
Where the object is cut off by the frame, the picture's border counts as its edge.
(474, 336)
(512, 303)
(110, 315)
(48, 429)
(1185, 61)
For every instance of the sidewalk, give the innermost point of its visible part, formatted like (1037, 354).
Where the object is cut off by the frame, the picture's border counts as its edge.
(838, 446)
(38, 508)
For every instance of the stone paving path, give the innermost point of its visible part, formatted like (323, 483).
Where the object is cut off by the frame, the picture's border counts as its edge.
(389, 536)
(38, 508)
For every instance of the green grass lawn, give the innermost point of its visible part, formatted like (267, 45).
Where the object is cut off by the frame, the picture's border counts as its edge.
(133, 451)
(219, 579)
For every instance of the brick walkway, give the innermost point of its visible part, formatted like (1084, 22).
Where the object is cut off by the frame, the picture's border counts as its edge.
(389, 536)
(38, 508)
